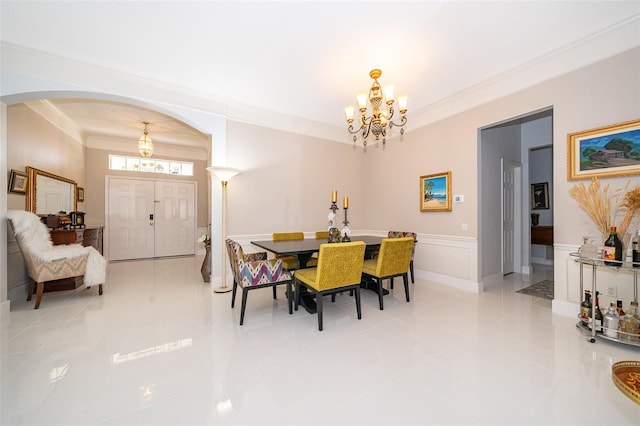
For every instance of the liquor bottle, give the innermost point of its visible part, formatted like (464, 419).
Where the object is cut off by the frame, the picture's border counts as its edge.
(585, 308)
(635, 254)
(612, 250)
(611, 322)
(598, 318)
(628, 329)
(619, 308)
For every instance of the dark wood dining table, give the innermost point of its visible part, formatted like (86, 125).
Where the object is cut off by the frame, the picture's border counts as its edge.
(302, 250)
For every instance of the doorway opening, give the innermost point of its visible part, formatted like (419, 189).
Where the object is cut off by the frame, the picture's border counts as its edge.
(515, 141)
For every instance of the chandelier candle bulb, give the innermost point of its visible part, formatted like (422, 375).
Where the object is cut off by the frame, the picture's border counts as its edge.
(345, 202)
(362, 101)
(349, 113)
(334, 196)
(388, 94)
(402, 104)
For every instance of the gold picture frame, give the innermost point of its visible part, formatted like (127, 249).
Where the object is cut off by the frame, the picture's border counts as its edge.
(435, 192)
(18, 182)
(607, 151)
(80, 194)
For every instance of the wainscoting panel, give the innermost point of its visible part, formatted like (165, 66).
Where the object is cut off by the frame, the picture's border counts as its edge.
(567, 295)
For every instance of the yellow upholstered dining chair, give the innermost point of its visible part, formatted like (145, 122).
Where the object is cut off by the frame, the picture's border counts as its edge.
(290, 262)
(339, 268)
(252, 272)
(322, 235)
(401, 234)
(393, 261)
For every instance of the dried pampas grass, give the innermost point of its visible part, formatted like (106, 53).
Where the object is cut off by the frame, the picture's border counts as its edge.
(604, 207)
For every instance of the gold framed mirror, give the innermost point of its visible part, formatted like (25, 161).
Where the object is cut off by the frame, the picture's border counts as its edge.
(49, 193)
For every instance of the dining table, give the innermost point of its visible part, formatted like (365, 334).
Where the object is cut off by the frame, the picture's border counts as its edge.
(304, 249)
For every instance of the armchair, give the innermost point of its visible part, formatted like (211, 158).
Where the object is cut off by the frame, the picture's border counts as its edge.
(339, 268)
(46, 262)
(251, 274)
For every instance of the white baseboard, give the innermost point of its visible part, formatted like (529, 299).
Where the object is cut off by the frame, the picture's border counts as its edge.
(459, 283)
(567, 309)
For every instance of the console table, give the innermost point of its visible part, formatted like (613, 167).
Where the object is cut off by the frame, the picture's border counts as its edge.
(85, 236)
(541, 234)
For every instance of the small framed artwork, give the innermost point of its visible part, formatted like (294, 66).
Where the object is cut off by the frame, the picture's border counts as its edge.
(539, 196)
(80, 194)
(18, 182)
(435, 192)
(604, 152)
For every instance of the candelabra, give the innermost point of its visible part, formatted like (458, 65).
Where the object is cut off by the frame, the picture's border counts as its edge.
(334, 233)
(345, 228)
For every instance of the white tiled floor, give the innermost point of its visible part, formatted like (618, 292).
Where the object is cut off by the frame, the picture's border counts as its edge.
(159, 347)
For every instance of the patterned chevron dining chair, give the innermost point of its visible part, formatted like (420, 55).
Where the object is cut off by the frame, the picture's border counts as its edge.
(253, 274)
(339, 268)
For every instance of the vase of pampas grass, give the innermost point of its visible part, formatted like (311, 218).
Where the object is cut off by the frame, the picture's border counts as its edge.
(606, 208)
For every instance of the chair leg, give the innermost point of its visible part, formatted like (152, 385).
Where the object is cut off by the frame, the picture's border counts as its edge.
(289, 297)
(405, 278)
(333, 297)
(358, 306)
(380, 290)
(244, 304)
(411, 270)
(233, 293)
(297, 294)
(39, 295)
(274, 292)
(32, 284)
(391, 285)
(319, 309)
(100, 289)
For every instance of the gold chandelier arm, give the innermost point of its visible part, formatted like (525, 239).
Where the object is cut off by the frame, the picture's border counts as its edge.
(403, 121)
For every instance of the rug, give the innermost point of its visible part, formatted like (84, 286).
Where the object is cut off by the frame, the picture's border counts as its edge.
(543, 289)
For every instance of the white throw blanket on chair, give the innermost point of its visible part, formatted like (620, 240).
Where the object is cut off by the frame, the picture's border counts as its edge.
(35, 238)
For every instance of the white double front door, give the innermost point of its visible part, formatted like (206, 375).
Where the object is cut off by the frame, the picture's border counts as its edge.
(150, 218)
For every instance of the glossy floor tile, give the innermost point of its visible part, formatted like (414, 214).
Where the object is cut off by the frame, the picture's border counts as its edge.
(160, 348)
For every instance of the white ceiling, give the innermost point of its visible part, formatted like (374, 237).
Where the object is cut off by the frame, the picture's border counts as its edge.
(306, 59)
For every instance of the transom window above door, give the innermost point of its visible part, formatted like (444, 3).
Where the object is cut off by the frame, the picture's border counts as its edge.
(147, 165)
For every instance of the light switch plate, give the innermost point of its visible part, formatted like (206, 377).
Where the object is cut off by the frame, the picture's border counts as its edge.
(458, 199)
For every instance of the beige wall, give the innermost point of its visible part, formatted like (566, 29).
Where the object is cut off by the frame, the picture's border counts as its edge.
(33, 141)
(287, 181)
(98, 164)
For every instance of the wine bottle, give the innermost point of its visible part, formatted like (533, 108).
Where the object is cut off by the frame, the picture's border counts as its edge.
(585, 308)
(619, 308)
(598, 318)
(612, 251)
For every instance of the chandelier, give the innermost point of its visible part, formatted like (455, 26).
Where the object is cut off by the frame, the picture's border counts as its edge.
(377, 120)
(145, 145)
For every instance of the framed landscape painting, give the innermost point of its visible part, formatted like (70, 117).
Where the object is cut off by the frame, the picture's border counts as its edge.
(604, 152)
(435, 192)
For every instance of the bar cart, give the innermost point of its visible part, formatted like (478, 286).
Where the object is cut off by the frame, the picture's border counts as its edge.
(619, 266)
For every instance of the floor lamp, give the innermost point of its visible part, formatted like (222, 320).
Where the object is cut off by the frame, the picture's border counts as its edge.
(225, 174)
